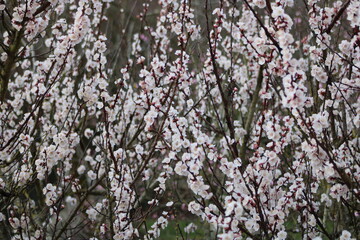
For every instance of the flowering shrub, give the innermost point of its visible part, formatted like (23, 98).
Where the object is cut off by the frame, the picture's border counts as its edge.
(120, 117)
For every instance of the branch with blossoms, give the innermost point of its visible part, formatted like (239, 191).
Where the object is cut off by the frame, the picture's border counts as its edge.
(132, 119)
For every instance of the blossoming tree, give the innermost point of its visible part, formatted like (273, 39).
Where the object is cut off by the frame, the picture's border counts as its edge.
(242, 115)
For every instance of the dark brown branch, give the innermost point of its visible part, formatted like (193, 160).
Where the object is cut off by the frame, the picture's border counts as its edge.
(337, 17)
(268, 6)
(268, 34)
(224, 99)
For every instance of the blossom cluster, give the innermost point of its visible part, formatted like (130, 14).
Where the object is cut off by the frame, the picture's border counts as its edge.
(120, 118)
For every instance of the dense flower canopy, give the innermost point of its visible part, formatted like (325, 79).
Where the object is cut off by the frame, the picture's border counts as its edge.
(119, 118)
